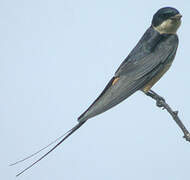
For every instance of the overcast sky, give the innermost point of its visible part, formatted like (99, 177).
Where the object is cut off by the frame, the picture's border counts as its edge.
(56, 57)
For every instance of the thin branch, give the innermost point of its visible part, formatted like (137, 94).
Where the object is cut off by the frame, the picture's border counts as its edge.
(160, 102)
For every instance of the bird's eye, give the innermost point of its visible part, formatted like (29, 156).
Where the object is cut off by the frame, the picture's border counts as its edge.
(166, 15)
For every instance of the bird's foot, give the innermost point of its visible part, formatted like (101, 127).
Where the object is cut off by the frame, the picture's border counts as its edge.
(159, 100)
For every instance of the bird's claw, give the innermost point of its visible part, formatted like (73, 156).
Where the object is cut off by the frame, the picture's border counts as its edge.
(159, 101)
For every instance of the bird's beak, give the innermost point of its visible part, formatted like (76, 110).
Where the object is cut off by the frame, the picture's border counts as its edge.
(177, 17)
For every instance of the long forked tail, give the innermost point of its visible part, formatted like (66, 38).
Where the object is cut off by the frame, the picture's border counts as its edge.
(71, 131)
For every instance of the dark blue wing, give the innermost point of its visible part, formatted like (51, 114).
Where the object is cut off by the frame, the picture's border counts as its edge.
(134, 73)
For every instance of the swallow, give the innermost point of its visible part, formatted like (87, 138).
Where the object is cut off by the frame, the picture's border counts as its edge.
(141, 69)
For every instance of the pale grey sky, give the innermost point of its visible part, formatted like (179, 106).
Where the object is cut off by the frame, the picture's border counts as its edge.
(56, 57)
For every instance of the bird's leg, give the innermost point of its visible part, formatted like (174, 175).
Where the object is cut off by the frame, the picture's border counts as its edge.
(160, 102)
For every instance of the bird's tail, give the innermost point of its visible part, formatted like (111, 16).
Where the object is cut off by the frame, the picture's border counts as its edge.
(64, 137)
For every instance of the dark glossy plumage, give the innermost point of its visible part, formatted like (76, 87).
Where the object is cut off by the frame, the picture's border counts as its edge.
(163, 14)
(145, 61)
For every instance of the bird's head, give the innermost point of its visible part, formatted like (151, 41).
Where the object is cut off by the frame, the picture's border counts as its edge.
(166, 20)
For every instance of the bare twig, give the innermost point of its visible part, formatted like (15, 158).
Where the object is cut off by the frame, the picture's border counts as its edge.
(160, 102)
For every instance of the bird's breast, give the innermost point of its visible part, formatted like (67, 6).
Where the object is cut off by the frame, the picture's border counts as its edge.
(156, 78)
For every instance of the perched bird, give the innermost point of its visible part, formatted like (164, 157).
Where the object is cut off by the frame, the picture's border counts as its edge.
(142, 68)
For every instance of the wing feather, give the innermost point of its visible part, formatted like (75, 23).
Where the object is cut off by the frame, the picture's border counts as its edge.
(162, 54)
(132, 75)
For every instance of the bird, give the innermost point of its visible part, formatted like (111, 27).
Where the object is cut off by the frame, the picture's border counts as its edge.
(141, 69)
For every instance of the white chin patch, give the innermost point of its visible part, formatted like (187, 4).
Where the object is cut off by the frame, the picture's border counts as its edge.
(169, 26)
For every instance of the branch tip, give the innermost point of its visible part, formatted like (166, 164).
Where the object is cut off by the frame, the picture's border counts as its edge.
(161, 103)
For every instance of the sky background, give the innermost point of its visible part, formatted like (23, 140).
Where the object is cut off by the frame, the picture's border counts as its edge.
(56, 57)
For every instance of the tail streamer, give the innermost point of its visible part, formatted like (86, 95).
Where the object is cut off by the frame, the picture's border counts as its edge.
(64, 137)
